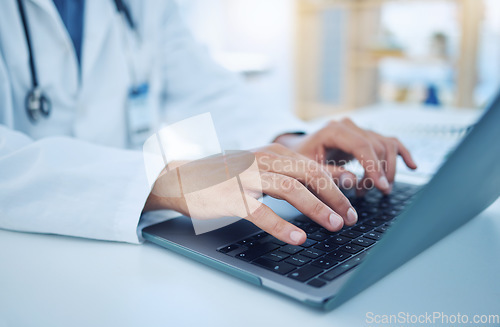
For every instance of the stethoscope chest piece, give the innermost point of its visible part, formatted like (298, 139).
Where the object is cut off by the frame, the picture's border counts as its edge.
(37, 105)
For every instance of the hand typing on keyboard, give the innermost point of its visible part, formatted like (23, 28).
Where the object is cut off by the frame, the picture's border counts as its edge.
(302, 174)
(229, 185)
(338, 142)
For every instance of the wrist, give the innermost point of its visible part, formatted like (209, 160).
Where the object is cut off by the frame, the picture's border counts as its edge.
(155, 202)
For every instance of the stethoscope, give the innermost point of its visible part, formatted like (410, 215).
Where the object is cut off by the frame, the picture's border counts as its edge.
(37, 103)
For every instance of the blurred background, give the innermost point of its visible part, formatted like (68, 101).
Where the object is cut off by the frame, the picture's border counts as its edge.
(391, 60)
(318, 57)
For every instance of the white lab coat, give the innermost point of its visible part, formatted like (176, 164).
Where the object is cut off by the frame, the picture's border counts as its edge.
(69, 174)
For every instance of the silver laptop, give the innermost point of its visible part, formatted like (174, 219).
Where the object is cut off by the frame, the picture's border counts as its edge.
(332, 267)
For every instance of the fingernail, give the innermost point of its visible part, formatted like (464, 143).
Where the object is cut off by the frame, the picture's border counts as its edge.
(384, 183)
(296, 236)
(346, 181)
(336, 221)
(352, 216)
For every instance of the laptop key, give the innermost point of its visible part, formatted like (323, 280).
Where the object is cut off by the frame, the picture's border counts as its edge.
(305, 273)
(260, 235)
(338, 255)
(335, 233)
(276, 241)
(318, 236)
(393, 200)
(374, 222)
(398, 208)
(371, 199)
(324, 231)
(400, 196)
(324, 263)
(384, 217)
(362, 228)
(252, 243)
(270, 239)
(365, 215)
(384, 204)
(276, 256)
(339, 240)
(351, 234)
(373, 235)
(311, 229)
(351, 248)
(363, 241)
(308, 243)
(392, 211)
(373, 209)
(316, 283)
(381, 229)
(281, 268)
(340, 269)
(291, 249)
(312, 253)
(229, 248)
(326, 247)
(246, 241)
(298, 260)
(257, 251)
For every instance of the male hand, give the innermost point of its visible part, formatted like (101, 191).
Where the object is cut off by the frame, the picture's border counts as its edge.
(339, 142)
(205, 189)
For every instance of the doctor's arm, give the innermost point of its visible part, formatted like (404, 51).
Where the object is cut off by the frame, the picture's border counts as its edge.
(60, 185)
(68, 187)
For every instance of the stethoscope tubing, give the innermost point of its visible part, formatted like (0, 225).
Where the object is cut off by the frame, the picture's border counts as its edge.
(37, 104)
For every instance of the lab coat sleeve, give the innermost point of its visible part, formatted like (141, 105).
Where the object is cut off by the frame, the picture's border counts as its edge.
(195, 84)
(65, 186)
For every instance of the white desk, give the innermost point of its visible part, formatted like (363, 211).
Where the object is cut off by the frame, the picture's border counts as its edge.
(59, 281)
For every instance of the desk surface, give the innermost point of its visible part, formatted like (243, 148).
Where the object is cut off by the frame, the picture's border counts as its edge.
(50, 280)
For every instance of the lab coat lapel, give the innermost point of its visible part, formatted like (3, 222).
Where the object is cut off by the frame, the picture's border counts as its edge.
(48, 25)
(49, 7)
(98, 19)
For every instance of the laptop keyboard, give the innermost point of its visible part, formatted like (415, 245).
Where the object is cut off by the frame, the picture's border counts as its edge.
(326, 255)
